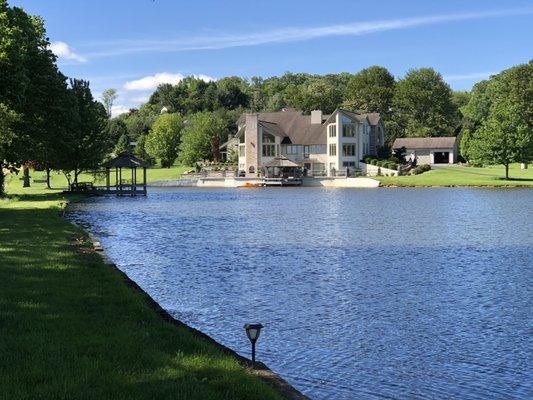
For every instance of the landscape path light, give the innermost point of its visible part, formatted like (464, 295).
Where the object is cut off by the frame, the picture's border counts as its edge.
(253, 331)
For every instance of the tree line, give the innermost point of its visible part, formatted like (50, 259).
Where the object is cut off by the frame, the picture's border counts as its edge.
(46, 121)
(493, 121)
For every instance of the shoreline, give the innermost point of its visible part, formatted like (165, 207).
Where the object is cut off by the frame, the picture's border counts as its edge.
(261, 370)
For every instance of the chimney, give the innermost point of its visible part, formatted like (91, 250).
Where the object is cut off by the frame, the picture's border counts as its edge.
(316, 116)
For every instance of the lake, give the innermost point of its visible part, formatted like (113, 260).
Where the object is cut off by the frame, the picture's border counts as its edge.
(380, 293)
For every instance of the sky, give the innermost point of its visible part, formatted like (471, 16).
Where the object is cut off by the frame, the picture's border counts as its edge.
(134, 45)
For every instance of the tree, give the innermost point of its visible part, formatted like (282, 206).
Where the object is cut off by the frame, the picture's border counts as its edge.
(423, 105)
(478, 107)
(371, 90)
(202, 130)
(7, 119)
(108, 98)
(32, 87)
(86, 144)
(464, 145)
(164, 139)
(502, 140)
(114, 130)
(123, 145)
(506, 121)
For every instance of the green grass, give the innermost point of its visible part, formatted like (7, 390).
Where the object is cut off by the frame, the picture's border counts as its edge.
(71, 328)
(59, 181)
(456, 175)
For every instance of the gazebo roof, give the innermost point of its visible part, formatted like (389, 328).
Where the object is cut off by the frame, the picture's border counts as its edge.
(281, 162)
(125, 160)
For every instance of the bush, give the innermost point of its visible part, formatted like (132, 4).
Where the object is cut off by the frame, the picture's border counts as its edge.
(421, 169)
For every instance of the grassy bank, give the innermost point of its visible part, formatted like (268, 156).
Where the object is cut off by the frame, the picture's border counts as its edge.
(70, 327)
(456, 175)
(59, 181)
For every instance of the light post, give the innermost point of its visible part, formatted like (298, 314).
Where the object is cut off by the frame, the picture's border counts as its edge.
(253, 331)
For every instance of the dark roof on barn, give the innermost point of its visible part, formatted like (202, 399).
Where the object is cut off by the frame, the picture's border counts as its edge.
(297, 128)
(441, 142)
(125, 160)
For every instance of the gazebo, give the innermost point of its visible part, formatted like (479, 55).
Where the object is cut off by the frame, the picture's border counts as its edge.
(282, 167)
(124, 185)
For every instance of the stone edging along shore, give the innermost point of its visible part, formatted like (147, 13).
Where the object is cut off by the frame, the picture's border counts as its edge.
(287, 391)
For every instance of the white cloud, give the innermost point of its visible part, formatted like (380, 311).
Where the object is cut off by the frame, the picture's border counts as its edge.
(289, 34)
(63, 51)
(153, 81)
(470, 76)
(119, 109)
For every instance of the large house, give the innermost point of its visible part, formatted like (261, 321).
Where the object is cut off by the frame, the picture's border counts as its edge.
(320, 144)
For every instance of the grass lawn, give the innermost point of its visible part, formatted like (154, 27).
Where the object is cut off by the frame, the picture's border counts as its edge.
(456, 175)
(59, 181)
(70, 327)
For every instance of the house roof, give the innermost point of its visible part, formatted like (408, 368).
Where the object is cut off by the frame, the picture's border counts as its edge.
(125, 160)
(440, 142)
(297, 128)
(281, 162)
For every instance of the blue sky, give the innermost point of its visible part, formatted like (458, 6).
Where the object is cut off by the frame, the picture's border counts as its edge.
(133, 45)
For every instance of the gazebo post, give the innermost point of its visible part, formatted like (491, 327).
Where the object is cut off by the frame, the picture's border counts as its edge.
(120, 179)
(107, 178)
(116, 178)
(144, 179)
(133, 181)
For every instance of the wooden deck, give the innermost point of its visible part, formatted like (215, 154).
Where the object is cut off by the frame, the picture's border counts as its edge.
(282, 181)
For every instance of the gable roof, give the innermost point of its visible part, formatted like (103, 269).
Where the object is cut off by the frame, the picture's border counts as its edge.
(125, 160)
(297, 128)
(440, 142)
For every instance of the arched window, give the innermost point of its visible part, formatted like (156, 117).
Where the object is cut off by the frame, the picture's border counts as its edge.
(251, 170)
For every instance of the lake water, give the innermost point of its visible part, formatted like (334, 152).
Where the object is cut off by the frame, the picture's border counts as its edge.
(371, 294)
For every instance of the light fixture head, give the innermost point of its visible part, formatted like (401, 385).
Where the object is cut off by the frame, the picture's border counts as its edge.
(253, 331)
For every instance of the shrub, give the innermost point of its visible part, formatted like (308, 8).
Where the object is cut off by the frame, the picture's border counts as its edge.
(421, 169)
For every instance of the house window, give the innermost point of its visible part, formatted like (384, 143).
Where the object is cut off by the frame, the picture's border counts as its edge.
(269, 145)
(332, 130)
(251, 170)
(333, 149)
(306, 151)
(318, 168)
(348, 130)
(242, 150)
(348, 150)
(317, 149)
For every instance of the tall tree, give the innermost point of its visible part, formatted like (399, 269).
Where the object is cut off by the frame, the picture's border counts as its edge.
(31, 86)
(202, 130)
(423, 105)
(86, 144)
(108, 98)
(506, 123)
(371, 90)
(7, 119)
(164, 139)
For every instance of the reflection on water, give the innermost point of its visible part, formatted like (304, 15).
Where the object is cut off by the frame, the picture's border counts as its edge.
(389, 293)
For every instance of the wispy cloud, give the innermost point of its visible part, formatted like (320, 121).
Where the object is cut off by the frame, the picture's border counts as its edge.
(286, 35)
(153, 81)
(64, 52)
(470, 76)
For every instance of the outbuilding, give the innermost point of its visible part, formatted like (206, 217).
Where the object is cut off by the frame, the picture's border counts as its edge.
(431, 150)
